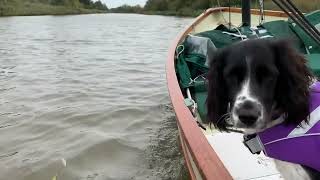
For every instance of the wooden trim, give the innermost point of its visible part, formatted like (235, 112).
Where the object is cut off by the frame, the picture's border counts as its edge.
(204, 156)
(257, 12)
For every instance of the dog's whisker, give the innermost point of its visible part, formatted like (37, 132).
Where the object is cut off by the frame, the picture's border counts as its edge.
(223, 117)
(228, 120)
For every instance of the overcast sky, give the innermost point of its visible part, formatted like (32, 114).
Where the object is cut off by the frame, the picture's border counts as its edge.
(116, 3)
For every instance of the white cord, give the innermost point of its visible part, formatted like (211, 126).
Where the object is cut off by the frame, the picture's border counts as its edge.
(229, 23)
(226, 22)
(200, 76)
(179, 52)
(194, 106)
(262, 17)
(239, 33)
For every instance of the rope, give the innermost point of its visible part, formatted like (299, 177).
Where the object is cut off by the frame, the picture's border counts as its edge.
(179, 52)
(226, 22)
(262, 16)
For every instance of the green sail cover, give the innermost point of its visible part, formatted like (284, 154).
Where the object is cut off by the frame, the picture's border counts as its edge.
(282, 30)
(182, 69)
(310, 44)
(191, 63)
(192, 59)
(314, 63)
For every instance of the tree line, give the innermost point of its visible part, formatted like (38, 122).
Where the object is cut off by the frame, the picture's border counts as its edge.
(194, 8)
(88, 4)
(175, 7)
(50, 7)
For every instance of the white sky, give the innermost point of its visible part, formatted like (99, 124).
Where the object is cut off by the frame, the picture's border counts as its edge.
(117, 3)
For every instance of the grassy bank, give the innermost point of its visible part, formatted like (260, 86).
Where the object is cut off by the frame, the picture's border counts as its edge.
(29, 8)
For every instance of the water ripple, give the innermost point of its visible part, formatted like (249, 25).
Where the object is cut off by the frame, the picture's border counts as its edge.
(90, 89)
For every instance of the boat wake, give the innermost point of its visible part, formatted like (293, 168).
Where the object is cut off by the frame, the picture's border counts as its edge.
(163, 155)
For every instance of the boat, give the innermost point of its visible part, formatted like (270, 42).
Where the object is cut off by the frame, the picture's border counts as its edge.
(208, 153)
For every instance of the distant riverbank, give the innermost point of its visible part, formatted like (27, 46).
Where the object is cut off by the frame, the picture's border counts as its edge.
(53, 11)
(189, 8)
(185, 12)
(193, 13)
(26, 8)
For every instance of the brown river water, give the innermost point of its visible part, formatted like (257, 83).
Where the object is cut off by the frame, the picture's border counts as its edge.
(89, 89)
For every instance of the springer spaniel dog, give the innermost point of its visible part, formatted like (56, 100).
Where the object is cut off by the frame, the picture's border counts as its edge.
(252, 82)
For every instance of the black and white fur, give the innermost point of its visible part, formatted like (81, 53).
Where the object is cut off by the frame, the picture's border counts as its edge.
(253, 82)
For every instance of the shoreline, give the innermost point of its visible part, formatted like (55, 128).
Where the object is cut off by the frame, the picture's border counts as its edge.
(161, 13)
(100, 12)
(44, 9)
(175, 13)
(57, 14)
(54, 14)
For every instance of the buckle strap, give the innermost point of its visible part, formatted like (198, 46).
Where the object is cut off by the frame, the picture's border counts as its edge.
(253, 143)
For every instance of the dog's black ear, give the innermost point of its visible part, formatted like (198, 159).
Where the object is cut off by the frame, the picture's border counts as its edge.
(292, 91)
(217, 102)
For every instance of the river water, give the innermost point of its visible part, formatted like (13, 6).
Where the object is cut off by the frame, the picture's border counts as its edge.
(89, 89)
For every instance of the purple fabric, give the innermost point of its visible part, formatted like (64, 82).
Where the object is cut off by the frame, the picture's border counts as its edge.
(302, 149)
(314, 129)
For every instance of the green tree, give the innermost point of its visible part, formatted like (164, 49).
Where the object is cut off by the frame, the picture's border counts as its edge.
(86, 2)
(127, 9)
(100, 5)
(156, 5)
(72, 3)
(201, 4)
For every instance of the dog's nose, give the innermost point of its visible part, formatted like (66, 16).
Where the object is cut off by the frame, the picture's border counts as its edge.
(248, 112)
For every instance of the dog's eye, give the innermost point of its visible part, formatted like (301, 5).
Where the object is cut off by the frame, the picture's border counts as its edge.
(236, 75)
(263, 74)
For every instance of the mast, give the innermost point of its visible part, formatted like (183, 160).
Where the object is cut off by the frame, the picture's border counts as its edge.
(246, 14)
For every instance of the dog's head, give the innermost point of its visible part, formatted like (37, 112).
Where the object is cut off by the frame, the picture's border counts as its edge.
(254, 80)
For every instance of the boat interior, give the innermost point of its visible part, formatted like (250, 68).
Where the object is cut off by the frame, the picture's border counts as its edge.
(193, 54)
